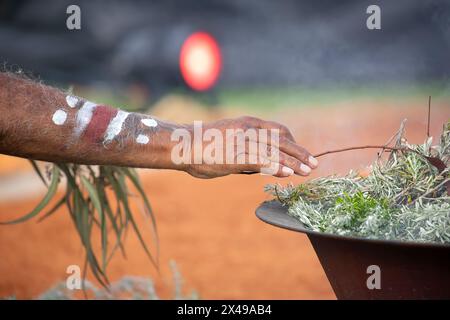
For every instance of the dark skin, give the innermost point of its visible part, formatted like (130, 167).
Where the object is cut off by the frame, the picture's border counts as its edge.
(27, 130)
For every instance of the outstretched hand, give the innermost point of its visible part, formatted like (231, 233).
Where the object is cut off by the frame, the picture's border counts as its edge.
(251, 145)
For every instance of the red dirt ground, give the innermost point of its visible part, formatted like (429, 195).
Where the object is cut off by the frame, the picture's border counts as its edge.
(208, 226)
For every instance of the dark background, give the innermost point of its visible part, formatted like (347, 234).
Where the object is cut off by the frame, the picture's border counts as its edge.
(263, 42)
(282, 60)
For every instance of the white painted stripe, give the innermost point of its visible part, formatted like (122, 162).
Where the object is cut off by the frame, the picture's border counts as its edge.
(115, 126)
(84, 116)
(149, 122)
(142, 139)
(59, 117)
(71, 101)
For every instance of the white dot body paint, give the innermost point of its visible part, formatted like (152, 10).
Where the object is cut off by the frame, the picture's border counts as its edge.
(84, 116)
(59, 117)
(71, 101)
(149, 122)
(115, 126)
(142, 139)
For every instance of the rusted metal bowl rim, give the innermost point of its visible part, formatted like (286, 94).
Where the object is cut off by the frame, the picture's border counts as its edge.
(274, 213)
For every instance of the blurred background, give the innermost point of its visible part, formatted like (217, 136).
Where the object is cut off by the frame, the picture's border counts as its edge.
(315, 67)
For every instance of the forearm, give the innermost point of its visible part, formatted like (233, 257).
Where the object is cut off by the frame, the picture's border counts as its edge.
(43, 123)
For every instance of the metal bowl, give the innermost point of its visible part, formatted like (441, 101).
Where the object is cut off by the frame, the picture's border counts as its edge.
(407, 270)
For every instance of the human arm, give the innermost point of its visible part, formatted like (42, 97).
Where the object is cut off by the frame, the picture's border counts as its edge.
(43, 123)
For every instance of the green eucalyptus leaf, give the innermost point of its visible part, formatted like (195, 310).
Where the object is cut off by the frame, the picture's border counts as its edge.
(47, 198)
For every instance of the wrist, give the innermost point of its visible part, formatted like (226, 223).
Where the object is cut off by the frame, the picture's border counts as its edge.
(166, 147)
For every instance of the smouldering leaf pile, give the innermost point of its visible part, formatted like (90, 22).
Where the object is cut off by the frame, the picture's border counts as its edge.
(404, 198)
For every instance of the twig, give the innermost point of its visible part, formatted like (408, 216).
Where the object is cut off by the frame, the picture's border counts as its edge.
(277, 195)
(434, 161)
(443, 183)
(399, 136)
(429, 116)
(364, 147)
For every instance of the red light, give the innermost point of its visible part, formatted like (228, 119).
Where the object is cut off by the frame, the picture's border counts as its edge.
(200, 61)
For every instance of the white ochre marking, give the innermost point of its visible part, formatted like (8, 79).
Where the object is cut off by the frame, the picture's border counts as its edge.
(71, 101)
(84, 116)
(142, 139)
(149, 122)
(115, 126)
(59, 117)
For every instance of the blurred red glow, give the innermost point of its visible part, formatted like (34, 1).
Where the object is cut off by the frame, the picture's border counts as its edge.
(200, 61)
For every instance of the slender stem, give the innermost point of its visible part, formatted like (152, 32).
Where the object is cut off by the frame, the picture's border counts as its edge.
(443, 183)
(429, 116)
(363, 147)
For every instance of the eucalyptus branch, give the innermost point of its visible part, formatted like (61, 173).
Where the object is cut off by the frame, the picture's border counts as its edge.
(88, 204)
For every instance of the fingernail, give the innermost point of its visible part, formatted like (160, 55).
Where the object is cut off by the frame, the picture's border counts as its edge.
(287, 171)
(313, 161)
(305, 168)
(271, 170)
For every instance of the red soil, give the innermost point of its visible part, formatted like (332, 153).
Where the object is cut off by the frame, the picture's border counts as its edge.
(208, 226)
